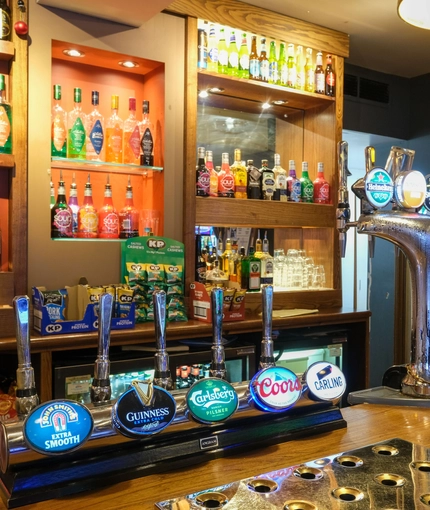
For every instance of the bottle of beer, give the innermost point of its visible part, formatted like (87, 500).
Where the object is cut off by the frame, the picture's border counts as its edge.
(267, 181)
(202, 175)
(330, 78)
(292, 69)
(282, 66)
(202, 49)
(222, 53)
(319, 75)
(244, 58)
(273, 64)
(321, 187)
(6, 26)
(212, 50)
(233, 56)
(300, 66)
(309, 72)
(254, 181)
(306, 185)
(264, 61)
(254, 61)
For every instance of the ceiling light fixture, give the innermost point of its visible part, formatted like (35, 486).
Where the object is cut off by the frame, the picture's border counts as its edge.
(128, 63)
(70, 52)
(415, 12)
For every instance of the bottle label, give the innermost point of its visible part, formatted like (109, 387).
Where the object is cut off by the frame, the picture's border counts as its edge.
(254, 68)
(110, 223)
(116, 140)
(283, 74)
(63, 221)
(134, 142)
(292, 77)
(5, 25)
(295, 190)
(322, 194)
(310, 80)
(97, 137)
(223, 57)
(268, 185)
(213, 55)
(273, 72)
(233, 59)
(254, 274)
(202, 61)
(264, 70)
(203, 181)
(226, 183)
(77, 135)
(147, 143)
(319, 82)
(331, 80)
(244, 62)
(88, 221)
(307, 191)
(58, 133)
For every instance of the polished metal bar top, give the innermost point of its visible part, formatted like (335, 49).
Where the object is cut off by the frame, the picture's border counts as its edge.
(392, 474)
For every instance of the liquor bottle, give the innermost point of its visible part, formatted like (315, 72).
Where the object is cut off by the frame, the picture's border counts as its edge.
(264, 61)
(61, 214)
(292, 70)
(273, 64)
(294, 188)
(5, 31)
(227, 257)
(108, 217)
(212, 50)
(195, 374)
(76, 136)
(300, 68)
(258, 246)
(225, 179)
(266, 263)
(309, 72)
(131, 135)
(52, 196)
(73, 204)
(88, 219)
(128, 216)
(244, 58)
(58, 126)
(319, 75)
(114, 134)
(240, 176)
(254, 61)
(146, 137)
(267, 181)
(251, 272)
(202, 175)
(220, 245)
(213, 175)
(330, 78)
(202, 49)
(241, 256)
(222, 53)
(201, 267)
(280, 174)
(321, 187)
(307, 186)
(282, 66)
(254, 181)
(95, 131)
(233, 56)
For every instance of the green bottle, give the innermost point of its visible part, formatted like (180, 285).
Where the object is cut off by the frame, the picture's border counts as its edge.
(307, 186)
(251, 272)
(233, 56)
(222, 53)
(58, 126)
(273, 64)
(76, 136)
(5, 120)
(244, 58)
(292, 70)
(282, 66)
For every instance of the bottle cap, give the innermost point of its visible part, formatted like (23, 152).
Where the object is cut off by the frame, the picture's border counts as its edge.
(114, 102)
(145, 106)
(95, 97)
(132, 103)
(57, 88)
(77, 94)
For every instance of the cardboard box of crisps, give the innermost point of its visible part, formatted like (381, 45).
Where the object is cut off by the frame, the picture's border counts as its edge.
(7, 408)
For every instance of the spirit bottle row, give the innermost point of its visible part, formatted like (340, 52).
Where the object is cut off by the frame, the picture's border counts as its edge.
(69, 220)
(227, 51)
(264, 183)
(76, 135)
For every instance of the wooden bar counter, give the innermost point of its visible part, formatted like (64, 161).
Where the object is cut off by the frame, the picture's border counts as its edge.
(367, 424)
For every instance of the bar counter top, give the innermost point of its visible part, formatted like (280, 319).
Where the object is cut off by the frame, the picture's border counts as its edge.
(367, 424)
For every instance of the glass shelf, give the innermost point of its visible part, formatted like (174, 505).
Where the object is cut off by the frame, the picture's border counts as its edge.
(91, 240)
(102, 166)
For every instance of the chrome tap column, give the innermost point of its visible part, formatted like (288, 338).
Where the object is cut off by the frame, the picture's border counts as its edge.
(26, 394)
(100, 387)
(162, 376)
(342, 212)
(217, 368)
(267, 358)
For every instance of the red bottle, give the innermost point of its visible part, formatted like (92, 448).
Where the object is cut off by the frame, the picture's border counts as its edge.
(321, 187)
(108, 217)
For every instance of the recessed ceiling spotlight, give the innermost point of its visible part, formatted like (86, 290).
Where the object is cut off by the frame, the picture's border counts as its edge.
(216, 90)
(280, 101)
(203, 93)
(265, 106)
(70, 52)
(128, 63)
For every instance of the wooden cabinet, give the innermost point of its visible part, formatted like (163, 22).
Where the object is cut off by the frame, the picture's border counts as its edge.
(308, 128)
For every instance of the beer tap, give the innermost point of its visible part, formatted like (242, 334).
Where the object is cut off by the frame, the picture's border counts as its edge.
(343, 212)
(162, 376)
(26, 395)
(217, 368)
(267, 359)
(100, 386)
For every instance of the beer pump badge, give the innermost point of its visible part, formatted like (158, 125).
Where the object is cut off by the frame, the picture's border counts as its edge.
(378, 187)
(58, 427)
(325, 381)
(212, 400)
(275, 389)
(143, 410)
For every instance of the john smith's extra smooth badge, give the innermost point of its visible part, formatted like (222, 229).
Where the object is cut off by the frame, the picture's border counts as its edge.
(378, 187)
(58, 427)
(275, 389)
(325, 381)
(143, 410)
(212, 400)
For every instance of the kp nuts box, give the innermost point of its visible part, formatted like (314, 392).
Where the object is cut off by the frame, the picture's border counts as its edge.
(233, 302)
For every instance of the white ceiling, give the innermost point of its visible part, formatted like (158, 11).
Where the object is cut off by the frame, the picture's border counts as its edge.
(379, 39)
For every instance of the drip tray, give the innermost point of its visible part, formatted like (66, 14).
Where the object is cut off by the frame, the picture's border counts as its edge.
(386, 396)
(393, 474)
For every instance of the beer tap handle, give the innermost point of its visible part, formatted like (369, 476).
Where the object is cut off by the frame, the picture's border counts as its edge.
(100, 387)
(162, 375)
(342, 211)
(217, 368)
(369, 158)
(26, 395)
(267, 358)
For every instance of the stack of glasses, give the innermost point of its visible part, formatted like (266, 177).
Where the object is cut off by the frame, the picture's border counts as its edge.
(297, 271)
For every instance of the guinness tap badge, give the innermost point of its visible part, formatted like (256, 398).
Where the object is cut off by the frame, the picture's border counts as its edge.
(143, 410)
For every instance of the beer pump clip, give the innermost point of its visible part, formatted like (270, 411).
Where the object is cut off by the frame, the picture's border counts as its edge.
(272, 389)
(147, 407)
